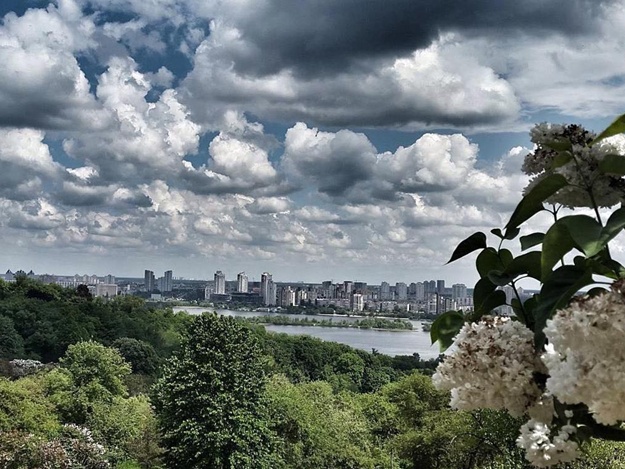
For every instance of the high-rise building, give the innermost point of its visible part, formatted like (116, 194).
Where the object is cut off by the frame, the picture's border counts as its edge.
(458, 290)
(385, 291)
(242, 283)
(440, 287)
(267, 289)
(149, 281)
(110, 279)
(168, 281)
(429, 286)
(287, 297)
(420, 291)
(402, 291)
(106, 290)
(357, 302)
(348, 287)
(506, 310)
(272, 294)
(220, 283)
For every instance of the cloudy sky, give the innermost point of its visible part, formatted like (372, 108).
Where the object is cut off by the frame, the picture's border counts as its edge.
(315, 139)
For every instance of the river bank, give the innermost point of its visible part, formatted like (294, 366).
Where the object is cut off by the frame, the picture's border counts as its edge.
(359, 323)
(388, 342)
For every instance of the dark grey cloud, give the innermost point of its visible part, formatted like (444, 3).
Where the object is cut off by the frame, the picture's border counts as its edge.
(84, 196)
(87, 194)
(312, 36)
(346, 167)
(335, 163)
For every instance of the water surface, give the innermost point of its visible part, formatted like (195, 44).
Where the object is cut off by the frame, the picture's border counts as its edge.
(384, 341)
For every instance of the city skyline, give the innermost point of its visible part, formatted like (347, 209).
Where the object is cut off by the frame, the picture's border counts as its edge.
(150, 280)
(328, 139)
(430, 296)
(228, 279)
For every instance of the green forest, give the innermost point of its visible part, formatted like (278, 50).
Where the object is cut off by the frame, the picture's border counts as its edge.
(88, 383)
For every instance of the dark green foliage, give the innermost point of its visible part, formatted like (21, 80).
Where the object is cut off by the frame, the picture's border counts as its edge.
(305, 358)
(210, 399)
(366, 323)
(11, 343)
(142, 357)
(49, 318)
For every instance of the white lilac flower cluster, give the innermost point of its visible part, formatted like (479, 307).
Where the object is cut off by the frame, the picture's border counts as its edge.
(585, 357)
(492, 367)
(544, 447)
(581, 172)
(85, 435)
(20, 368)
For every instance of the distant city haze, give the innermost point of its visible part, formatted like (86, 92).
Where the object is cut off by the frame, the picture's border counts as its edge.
(430, 297)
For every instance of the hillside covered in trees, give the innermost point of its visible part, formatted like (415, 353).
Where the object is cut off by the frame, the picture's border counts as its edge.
(128, 386)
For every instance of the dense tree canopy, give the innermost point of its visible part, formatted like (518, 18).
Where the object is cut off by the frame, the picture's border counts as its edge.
(234, 395)
(210, 399)
(40, 321)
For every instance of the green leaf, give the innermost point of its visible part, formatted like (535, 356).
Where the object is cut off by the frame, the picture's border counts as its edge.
(445, 328)
(531, 240)
(532, 203)
(613, 227)
(486, 297)
(483, 289)
(506, 257)
(488, 260)
(603, 265)
(556, 293)
(585, 232)
(563, 158)
(556, 244)
(500, 278)
(509, 234)
(472, 243)
(616, 127)
(528, 263)
(560, 145)
(613, 165)
(512, 233)
(529, 306)
(494, 300)
(518, 310)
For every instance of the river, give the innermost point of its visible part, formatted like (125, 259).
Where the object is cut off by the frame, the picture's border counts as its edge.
(386, 342)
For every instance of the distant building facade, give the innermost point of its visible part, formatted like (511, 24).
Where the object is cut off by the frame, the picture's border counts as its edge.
(242, 283)
(106, 290)
(168, 281)
(267, 289)
(220, 283)
(149, 281)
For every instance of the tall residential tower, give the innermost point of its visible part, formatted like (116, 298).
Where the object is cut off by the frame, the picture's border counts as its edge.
(220, 283)
(242, 283)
